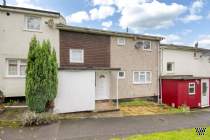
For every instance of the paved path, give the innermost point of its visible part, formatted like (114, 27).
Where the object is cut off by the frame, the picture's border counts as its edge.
(103, 129)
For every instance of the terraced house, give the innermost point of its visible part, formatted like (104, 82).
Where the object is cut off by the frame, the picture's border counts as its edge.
(103, 65)
(17, 27)
(94, 65)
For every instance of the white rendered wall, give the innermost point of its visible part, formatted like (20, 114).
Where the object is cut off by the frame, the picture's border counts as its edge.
(185, 63)
(14, 43)
(76, 91)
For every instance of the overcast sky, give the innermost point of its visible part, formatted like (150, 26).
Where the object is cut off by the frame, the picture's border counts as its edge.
(179, 21)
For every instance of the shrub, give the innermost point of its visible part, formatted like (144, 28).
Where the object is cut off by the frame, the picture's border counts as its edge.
(184, 108)
(34, 119)
(41, 76)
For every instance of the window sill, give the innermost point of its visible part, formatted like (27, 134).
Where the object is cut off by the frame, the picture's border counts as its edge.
(149, 50)
(121, 45)
(170, 72)
(76, 62)
(191, 94)
(29, 30)
(142, 83)
(15, 77)
(121, 78)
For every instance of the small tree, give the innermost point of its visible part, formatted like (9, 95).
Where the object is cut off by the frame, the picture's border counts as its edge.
(41, 86)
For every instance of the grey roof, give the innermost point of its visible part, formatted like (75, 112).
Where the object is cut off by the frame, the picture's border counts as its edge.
(182, 47)
(105, 32)
(29, 9)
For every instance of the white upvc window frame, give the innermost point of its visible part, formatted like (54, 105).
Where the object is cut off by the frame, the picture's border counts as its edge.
(26, 23)
(145, 75)
(119, 39)
(150, 49)
(121, 77)
(71, 60)
(19, 64)
(191, 85)
(173, 67)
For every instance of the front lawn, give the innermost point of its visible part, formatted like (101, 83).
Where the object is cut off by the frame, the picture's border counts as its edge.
(184, 134)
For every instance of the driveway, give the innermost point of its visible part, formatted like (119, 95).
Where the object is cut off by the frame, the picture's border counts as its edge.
(103, 129)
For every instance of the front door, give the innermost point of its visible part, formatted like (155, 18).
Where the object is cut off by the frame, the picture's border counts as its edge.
(204, 92)
(102, 85)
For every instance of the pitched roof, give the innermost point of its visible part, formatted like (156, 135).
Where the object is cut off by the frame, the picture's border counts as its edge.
(2, 7)
(104, 32)
(182, 47)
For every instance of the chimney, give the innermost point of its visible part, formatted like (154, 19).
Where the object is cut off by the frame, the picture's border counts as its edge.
(4, 3)
(127, 29)
(196, 47)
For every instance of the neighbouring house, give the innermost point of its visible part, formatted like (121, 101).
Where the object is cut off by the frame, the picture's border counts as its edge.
(98, 65)
(17, 27)
(185, 75)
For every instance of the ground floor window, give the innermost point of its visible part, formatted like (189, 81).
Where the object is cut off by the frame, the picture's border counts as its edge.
(16, 67)
(142, 77)
(191, 88)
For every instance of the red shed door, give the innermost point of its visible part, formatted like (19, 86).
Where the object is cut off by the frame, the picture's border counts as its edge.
(204, 92)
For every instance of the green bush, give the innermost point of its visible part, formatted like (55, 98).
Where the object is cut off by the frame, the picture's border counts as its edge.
(34, 119)
(41, 76)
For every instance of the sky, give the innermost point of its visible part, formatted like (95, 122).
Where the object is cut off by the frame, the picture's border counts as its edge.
(181, 22)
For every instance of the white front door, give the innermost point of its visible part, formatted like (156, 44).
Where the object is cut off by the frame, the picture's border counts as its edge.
(102, 85)
(204, 92)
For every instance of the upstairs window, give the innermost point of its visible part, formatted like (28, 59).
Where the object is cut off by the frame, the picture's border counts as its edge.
(147, 45)
(16, 67)
(121, 75)
(76, 56)
(191, 88)
(120, 41)
(33, 23)
(142, 77)
(170, 67)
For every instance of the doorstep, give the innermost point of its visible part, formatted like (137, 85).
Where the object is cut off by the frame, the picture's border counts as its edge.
(105, 106)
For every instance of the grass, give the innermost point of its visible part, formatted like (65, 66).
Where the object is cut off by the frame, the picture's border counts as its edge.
(135, 102)
(184, 134)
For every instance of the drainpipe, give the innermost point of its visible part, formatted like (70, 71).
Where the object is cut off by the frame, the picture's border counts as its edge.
(158, 71)
(117, 98)
(161, 70)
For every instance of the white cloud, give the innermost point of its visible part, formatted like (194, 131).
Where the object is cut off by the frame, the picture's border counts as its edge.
(208, 16)
(194, 11)
(27, 4)
(107, 24)
(172, 39)
(77, 17)
(102, 12)
(204, 41)
(189, 18)
(102, 2)
(141, 14)
(196, 6)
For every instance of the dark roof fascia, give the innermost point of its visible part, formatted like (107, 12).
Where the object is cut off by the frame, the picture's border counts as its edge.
(88, 68)
(182, 77)
(103, 32)
(182, 47)
(29, 9)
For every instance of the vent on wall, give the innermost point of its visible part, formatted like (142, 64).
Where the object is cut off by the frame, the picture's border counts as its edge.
(50, 23)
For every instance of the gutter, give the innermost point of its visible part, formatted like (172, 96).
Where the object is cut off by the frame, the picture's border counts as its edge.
(109, 33)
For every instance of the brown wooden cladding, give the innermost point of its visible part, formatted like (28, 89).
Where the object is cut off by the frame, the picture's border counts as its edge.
(96, 49)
